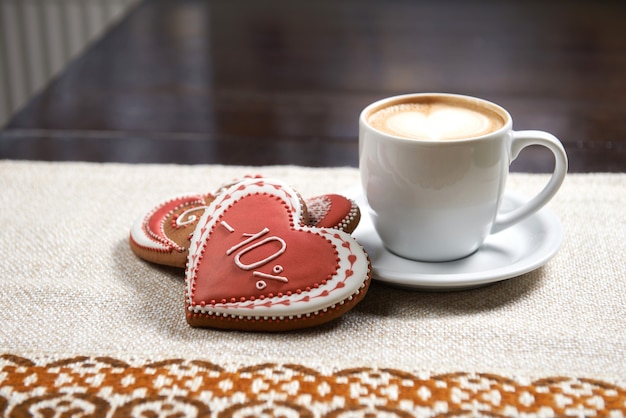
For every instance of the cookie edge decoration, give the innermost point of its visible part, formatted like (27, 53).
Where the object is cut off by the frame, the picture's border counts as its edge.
(278, 314)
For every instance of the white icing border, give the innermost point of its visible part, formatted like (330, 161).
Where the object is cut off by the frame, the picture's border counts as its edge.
(354, 210)
(139, 236)
(293, 306)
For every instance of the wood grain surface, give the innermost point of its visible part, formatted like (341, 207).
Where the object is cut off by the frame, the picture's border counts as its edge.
(283, 82)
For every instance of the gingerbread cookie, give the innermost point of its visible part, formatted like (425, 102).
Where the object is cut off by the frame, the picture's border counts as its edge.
(162, 234)
(333, 211)
(255, 264)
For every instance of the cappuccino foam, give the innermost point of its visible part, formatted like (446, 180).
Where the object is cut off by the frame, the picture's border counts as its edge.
(435, 120)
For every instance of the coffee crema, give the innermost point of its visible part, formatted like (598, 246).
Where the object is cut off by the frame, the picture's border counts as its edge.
(436, 119)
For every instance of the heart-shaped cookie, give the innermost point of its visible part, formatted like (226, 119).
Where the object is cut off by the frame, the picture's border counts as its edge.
(254, 263)
(333, 211)
(162, 234)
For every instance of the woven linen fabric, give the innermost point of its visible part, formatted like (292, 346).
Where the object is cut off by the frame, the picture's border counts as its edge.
(84, 320)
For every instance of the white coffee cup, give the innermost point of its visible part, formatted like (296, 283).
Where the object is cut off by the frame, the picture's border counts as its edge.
(433, 169)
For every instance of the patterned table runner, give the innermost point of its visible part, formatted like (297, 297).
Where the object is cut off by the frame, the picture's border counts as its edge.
(88, 327)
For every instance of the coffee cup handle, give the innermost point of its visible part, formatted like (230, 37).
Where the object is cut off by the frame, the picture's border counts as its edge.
(519, 141)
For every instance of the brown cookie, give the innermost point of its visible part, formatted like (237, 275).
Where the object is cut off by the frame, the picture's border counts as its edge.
(255, 263)
(162, 235)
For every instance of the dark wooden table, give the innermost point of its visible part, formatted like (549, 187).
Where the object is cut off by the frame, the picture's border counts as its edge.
(282, 81)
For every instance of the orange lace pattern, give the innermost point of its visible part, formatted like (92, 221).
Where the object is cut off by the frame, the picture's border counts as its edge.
(104, 386)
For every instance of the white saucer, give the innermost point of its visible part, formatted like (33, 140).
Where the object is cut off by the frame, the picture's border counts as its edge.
(519, 249)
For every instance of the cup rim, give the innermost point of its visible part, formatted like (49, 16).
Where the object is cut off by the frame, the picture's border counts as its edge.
(507, 126)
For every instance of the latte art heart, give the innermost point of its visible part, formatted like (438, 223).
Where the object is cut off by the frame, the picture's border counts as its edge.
(440, 124)
(435, 121)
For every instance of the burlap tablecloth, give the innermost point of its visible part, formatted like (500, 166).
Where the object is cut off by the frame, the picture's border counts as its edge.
(85, 324)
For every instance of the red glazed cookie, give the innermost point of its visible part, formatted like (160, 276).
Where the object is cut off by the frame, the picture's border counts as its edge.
(254, 263)
(162, 235)
(333, 211)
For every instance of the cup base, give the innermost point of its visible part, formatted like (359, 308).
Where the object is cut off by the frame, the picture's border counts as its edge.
(430, 259)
